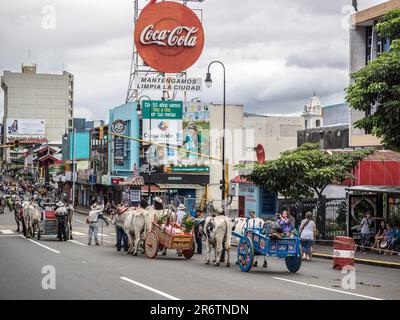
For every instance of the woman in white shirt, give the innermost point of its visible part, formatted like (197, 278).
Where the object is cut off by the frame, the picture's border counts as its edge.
(308, 232)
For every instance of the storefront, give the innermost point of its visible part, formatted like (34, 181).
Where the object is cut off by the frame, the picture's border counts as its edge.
(383, 202)
(257, 199)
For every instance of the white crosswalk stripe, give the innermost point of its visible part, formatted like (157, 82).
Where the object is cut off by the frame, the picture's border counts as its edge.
(76, 233)
(7, 231)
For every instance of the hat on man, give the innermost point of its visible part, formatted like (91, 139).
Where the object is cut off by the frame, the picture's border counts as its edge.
(60, 204)
(181, 206)
(221, 211)
(158, 199)
(94, 206)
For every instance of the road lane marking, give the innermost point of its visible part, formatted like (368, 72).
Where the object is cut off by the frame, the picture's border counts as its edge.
(325, 288)
(76, 233)
(7, 231)
(42, 245)
(166, 295)
(79, 243)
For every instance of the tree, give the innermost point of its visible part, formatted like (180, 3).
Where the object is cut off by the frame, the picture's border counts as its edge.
(376, 87)
(306, 171)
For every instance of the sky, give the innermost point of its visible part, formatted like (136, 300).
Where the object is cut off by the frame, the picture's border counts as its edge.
(276, 53)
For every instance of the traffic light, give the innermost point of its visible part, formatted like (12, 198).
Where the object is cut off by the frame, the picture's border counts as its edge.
(105, 133)
(221, 185)
(101, 133)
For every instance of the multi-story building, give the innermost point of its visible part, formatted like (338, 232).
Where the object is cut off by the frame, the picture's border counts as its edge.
(37, 105)
(366, 45)
(275, 133)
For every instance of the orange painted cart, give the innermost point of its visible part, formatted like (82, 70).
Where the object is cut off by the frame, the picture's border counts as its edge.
(169, 236)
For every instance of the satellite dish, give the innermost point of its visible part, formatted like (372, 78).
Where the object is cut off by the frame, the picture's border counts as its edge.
(260, 154)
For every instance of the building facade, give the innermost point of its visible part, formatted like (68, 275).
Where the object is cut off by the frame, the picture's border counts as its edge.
(37, 105)
(366, 45)
(275, 133)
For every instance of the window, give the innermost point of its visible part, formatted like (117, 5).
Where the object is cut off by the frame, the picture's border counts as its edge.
(306, 124)
(318, 123)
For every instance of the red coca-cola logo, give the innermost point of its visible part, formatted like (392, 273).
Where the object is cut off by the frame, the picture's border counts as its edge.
(169, 36)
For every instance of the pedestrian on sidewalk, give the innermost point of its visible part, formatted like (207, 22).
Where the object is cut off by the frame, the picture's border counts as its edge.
(379, 237)
(307, 234)
(92, 221)
(390, 238)
(366, 232)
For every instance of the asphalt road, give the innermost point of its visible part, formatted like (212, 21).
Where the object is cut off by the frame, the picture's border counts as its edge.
(99, 272)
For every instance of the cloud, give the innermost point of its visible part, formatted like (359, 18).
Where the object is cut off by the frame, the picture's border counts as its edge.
(276, 52)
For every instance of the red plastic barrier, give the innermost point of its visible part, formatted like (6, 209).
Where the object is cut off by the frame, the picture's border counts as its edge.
(343, 252)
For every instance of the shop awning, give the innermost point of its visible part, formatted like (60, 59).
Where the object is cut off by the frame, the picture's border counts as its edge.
(136, 181)
(153, 189)
(378, 189)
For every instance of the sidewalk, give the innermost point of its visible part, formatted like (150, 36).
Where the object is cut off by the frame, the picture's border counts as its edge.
(82, 209)
(370, 258)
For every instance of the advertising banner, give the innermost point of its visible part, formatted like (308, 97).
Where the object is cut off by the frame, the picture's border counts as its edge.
(195, 141)
(251, 194)
(28, 127)
(168, 84)
(119, 148)
(162, 122)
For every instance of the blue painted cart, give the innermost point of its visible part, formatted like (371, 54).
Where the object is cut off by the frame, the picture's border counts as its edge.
(255, 243)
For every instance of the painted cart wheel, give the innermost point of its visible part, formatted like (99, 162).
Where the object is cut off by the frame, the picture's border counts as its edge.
(188, 253)
(293, 263)
(245, 254)
(151, 245)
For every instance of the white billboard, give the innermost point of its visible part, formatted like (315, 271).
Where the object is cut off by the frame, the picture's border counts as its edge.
(25, 127)
(168, 84)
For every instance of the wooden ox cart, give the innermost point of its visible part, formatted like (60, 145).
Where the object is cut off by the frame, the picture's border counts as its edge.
(169, 236)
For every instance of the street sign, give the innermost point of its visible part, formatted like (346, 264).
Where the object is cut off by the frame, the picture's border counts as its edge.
(118, 126)
(135, 195)
(168, 84)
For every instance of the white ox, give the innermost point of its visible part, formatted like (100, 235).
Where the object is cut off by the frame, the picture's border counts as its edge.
(218, 232)
(136, 224)
(239, 225)
(31, 216)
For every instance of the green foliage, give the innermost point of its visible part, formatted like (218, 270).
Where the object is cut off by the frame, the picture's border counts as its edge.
(188, 222)
(378, 85)
(305, 171)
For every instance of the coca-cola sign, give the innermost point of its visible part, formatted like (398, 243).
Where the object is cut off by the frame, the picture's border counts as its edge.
(169, 36)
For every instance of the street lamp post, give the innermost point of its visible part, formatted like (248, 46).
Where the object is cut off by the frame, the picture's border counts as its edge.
(74, 170)
(208, 83)
(140, 113)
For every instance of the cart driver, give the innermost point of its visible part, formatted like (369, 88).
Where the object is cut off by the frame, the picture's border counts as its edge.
(62, 215)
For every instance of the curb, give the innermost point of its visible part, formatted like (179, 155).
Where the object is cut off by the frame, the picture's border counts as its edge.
(82, 212)
(377, 263)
